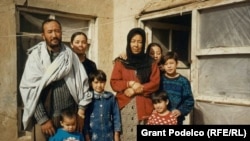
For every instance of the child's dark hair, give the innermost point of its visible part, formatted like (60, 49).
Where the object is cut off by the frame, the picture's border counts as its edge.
(170, 55)
(67, 112)
(159, 96)
(99, 75)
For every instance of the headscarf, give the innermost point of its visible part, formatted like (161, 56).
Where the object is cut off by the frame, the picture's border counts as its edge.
(140, 62)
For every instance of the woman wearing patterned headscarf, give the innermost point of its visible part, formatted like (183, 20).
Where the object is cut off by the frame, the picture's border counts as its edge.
(134, 80)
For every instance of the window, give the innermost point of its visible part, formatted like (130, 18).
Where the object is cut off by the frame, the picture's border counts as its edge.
(173, 33)
(223, 52)
(222, 64)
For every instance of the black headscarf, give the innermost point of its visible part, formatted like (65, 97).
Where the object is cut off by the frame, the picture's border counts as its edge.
(140, 62)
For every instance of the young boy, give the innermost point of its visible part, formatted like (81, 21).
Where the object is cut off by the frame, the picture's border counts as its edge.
(161, 115)
(102, 122)
(178, 88)
(68, 131)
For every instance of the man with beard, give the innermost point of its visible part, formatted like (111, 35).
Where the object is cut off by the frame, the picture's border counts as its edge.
(53, 79)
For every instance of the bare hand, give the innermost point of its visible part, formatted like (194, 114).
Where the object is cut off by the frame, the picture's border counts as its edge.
(138, 88)
(117, 136)
(175, 113)
(123, 56)
(80, 120)
(87, 137)
(129, 92)
(48, 128)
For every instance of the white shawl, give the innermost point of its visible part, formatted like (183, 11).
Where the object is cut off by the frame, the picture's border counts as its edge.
(39, 72)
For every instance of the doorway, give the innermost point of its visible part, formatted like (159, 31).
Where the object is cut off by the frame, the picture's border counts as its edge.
(173, 33)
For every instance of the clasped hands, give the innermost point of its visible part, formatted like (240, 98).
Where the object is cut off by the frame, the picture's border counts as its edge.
(133, 88)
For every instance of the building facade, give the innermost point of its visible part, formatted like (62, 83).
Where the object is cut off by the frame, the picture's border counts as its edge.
(212, 37)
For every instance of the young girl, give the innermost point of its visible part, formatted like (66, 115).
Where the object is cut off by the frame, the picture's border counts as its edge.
(155, 51)
(68, 131)
(161, 115)
(102, 121)
(178, 88)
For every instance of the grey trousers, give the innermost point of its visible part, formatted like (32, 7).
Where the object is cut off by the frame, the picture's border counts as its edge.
(37, 134)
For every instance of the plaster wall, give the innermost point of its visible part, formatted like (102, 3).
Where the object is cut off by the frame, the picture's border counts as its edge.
(114, 19)
(8, 84)
(125, 13)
